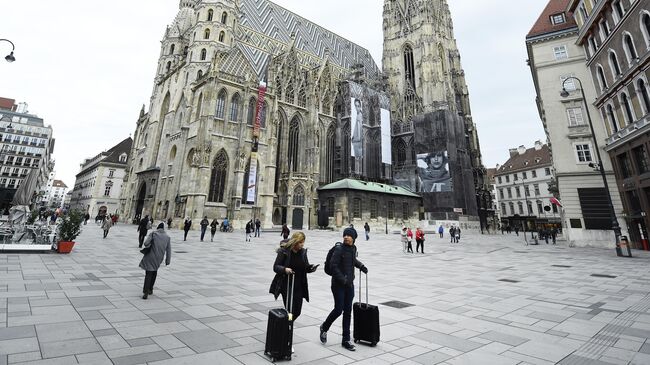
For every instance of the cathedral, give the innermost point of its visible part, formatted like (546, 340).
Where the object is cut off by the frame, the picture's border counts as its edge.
(255, 110)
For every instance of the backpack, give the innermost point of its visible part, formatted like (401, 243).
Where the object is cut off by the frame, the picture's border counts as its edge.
(328, 259)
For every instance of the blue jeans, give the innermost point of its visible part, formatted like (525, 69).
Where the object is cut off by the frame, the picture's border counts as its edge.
(203, 229)
(343, 296)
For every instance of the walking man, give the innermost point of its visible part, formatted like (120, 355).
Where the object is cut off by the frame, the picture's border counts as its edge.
(452, 233)
(143, 227)
(86, 218)
(161, 247)
(204, 226)
(258, 224)
(106, 225)
(186, 227)
(249, 230)
(419, 239)
(367, 229)
(441, 231)
(342, 264)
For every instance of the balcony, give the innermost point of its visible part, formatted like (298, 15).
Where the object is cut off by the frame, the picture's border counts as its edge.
(628, 131)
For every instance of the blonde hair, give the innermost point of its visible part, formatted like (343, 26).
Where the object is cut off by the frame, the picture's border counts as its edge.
(295, 238)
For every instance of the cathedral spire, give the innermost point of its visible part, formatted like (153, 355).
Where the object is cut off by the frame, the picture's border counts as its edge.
(187, 4)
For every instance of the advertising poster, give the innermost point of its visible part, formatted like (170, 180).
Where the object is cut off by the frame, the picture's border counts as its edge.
(252, 179)
(356, 128)
(386, 155)
(433, 172)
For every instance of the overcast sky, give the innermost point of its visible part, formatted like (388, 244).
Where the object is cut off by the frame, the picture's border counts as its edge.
(87, 67)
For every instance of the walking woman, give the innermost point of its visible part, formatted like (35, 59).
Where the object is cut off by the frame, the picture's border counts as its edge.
(160, 247)
(107, 224)
(292, 259)
(405, 239)
(213, 229)
(285, 231)
(409, 240)
(186, 227)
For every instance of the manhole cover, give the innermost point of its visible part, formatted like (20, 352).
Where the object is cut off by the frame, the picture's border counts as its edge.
(509, 280)
(603, 276)
(565, 266)
(180, 251)
(396, 304)
(520, 251)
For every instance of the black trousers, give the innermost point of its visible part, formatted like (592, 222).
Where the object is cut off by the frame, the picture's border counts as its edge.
(185, 236)
(149, 281)
(420, 243)
(297, 302)
(409, 248)
(105, 233)
(141, 238)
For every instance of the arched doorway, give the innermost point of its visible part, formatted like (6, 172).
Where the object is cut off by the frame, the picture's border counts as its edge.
(140, 203)
(296, 220)
(277, 217)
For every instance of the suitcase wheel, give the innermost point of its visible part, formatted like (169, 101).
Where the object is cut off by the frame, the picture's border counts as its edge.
(356, 341)
(373, 344)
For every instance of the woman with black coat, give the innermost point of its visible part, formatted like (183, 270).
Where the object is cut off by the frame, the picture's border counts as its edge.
(292, 259)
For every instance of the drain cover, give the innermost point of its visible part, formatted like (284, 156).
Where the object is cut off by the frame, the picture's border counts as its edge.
(603, 276)
(509, 280)
(565, 266)
(180, 251)
(396, 304)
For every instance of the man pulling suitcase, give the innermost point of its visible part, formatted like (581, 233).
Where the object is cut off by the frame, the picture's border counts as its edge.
(342, 264)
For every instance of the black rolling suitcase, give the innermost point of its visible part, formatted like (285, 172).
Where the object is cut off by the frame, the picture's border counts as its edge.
(366, 319)
(279, 331)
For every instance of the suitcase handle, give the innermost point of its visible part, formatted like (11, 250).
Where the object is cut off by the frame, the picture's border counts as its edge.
(290, 287)
(360, 272)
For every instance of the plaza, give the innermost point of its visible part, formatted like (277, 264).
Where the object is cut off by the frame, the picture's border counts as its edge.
(487, 300)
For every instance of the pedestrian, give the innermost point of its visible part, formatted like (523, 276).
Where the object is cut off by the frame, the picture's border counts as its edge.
(142, 229)
(342, 264)
(106, 225)
(419, 240)
(250, 227)
(187, 225)
(225, 224)
(554, 234)
(502, 229)
(161, 247)
(441, 231)
(409, 240)
(366, 228)
(169, 223)
(114, 219)
(457, 234)
(285, 231)
(86, 218)
(292, 259)
(204, 226)
(517, 230)
(258, 224)
(405, 239)
(53, 218)
(452, 233)
(213, 229)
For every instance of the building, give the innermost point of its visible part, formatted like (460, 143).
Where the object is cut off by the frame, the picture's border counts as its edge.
(523, 183)
(431, 111)
(256, 108)
(27, 145)
(553, 57)
(67, 199)
(98, 185)
(57, 194)
(615, 36)
(494, 222)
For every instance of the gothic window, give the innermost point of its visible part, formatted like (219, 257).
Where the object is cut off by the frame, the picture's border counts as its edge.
(250, 118)
(441, 55)
(218, 178)
(327, 105)
(346, 145)
(401, 152)
(168, 66)
(224, 18)
(172, 153)
(263, 115)
(302, 98)
(294, 139)
(613, 63)
(206, 34)
(199, 74)
(630, 50)
(283, 198)
(278, 88)
(329, 155)
(373, 209)
(642, 90)
(373, 160)
(289, 94)
(356, 208)
(409, 66)
(299, 196)
(210, 15)
(171, 49)
(234, 107)
(204, 54)
(278, 154)
(199, 104)
(244, 193)
(164, 109)
(222, 36)
(221, 105)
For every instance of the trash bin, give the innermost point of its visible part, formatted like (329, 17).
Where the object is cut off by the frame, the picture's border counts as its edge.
(623, 247)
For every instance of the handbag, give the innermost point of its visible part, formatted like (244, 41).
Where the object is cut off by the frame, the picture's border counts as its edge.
(147, 249)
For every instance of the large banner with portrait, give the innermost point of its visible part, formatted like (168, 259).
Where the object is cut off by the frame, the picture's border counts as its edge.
(356, 127)
(433, 172)
(385, 137)
(251, 187)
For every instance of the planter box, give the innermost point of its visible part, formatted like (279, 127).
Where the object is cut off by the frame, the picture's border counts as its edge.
(65, 247)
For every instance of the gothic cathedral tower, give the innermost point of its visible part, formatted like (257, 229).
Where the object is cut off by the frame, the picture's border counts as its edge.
(421, 63)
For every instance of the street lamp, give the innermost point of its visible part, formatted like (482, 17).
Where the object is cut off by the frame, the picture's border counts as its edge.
(615, 227)
(10, 57)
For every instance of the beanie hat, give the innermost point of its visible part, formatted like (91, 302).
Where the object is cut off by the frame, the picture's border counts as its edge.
(161, 225)
(350, 232)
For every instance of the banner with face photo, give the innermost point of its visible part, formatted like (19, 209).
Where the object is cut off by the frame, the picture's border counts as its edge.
(386, 156)
(252, 180)
(433, 172)
(356, 127)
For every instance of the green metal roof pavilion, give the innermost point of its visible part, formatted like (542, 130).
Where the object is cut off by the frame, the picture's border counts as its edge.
(351, 184)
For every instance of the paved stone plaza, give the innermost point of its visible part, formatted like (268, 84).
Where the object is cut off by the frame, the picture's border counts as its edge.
(487, 300)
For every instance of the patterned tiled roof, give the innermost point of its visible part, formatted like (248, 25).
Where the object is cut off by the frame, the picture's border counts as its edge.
(267, 28)
(544, 25)
(529, 160)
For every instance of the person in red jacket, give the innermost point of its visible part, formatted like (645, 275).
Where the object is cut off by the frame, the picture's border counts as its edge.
(419, 239)
(409, 239)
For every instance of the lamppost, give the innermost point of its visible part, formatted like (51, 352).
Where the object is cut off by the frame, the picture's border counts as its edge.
(615, 227)
(10, 57)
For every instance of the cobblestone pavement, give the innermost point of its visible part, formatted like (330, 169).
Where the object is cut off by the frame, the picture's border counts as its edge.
(488, 300)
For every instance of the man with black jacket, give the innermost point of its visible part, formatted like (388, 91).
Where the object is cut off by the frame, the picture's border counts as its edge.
(143, 226)
(342, 264)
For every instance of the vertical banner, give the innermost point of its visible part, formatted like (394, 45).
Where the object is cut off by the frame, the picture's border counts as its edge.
(252, 179)
(261, 94)
(386, 150)
(356, 128)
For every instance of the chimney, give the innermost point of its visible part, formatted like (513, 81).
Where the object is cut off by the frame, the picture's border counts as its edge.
(538, 145)
(513, 152)
(521, 150)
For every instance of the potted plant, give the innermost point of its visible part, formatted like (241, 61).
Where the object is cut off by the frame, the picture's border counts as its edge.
(68, 230)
